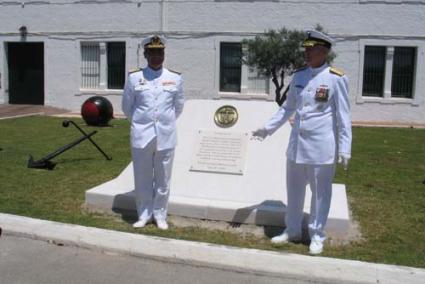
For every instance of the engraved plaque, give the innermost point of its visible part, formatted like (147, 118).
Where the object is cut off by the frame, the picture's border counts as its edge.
(219, 152)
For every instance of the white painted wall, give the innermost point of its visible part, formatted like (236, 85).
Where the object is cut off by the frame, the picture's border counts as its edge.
(195, 29)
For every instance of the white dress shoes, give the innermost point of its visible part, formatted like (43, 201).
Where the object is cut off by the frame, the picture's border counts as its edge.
(284, 238)
(141, 223)
(316, 246)
(162, 224)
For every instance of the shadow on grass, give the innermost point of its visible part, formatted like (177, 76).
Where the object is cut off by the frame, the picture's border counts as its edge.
(72, 161)
(128, 216)
(129, 213)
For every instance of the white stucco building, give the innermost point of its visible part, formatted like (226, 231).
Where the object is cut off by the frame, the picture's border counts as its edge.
(61, 52)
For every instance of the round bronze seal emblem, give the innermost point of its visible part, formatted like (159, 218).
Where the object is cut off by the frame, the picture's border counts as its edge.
(226, 116)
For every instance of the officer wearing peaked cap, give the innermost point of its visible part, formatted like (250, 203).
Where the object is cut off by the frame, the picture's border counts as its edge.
(320, 136)
(152, 101)
(154, 42)
(317, 38)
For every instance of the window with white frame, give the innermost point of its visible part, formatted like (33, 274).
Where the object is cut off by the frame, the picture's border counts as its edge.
(389, 71)
(236, 77)
(102, 65)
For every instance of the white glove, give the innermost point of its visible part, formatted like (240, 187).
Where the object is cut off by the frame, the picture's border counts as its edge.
(343, 159)
(260, 134)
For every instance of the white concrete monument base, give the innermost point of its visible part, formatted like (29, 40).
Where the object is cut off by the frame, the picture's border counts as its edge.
(245, 185)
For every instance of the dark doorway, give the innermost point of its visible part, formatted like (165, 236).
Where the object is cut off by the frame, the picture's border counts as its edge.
(26, 72)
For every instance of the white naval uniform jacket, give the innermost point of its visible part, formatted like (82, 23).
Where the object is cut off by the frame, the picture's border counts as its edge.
(152, 101)
(322, 126)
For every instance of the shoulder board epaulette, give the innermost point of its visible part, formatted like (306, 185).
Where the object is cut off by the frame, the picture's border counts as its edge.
(179, 73)
(336, 71)
(135, 70)
(300, 69)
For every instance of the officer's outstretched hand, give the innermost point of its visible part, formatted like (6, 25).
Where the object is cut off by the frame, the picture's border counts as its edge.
(259, 134)
(343, 159)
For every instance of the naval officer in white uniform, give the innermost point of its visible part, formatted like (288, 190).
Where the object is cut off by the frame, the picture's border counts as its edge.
(320, 136)
(152, 101)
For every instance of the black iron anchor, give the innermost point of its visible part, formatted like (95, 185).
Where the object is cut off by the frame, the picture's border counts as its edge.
(45, 163)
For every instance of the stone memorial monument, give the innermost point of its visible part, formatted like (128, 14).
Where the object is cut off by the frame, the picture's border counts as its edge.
(221, 174)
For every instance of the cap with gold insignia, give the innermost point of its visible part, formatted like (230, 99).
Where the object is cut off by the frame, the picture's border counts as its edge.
(154, 41)
(317, 38)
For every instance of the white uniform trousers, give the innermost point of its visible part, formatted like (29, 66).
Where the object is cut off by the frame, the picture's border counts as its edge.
(152, 174)
(320, 179)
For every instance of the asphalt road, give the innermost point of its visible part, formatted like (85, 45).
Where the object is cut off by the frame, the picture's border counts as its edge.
(24, 260)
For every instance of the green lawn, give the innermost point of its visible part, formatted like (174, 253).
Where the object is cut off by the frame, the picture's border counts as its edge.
(384, 185)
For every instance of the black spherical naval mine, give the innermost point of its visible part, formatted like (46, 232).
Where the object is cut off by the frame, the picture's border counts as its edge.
(97, 111)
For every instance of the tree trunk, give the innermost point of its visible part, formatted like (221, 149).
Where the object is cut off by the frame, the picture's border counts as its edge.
(283, 97)
(279, 98)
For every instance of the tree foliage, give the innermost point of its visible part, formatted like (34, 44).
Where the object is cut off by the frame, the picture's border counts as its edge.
(275, 54)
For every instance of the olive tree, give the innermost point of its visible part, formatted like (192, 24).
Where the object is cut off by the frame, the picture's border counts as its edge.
(275, 54)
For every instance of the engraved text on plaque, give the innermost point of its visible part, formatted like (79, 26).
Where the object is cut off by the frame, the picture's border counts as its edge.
(220, 152)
